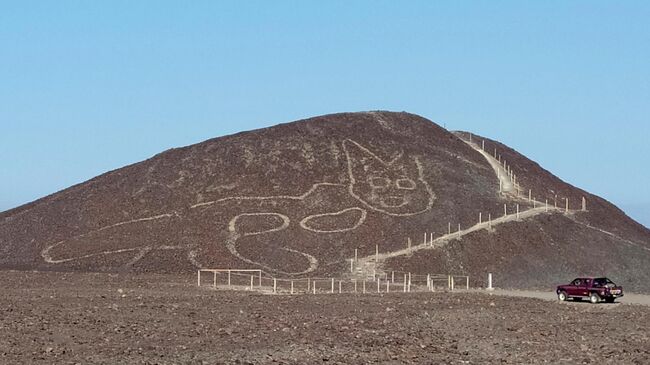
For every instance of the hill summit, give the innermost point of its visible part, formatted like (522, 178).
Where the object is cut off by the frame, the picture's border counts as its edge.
(394, 190)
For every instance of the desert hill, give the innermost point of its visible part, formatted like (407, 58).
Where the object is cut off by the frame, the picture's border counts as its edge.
(297, 199)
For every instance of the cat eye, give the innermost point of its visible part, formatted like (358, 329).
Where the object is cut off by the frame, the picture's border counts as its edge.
(379, 182)
(406, 184)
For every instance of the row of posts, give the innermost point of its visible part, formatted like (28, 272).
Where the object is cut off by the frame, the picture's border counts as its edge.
(429, 240)
(506, 167)
(406, 285)
(513, 177)
(311, 284)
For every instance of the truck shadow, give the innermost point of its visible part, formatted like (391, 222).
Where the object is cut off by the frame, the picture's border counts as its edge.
(588, 303)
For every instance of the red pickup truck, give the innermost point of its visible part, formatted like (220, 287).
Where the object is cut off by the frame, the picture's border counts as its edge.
(596, 289)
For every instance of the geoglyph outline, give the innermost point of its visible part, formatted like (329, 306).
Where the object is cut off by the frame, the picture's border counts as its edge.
(234, 235)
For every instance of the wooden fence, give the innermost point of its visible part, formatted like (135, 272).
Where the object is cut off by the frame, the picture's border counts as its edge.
(256, 280)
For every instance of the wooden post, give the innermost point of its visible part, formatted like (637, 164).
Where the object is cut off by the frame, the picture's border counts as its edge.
(448, 281)
(490, 220)
(260, 279)
(495, 152)
(313, 286)
(392, 276)
(291, 286)
(425, 239)
(308, 285)
(431, 240)
(409, 284)
(428, 281)
(483, 145)
(567, 204)
(546, 205)
(480, 217)
(517, 211)
(378, 283)
(404, 289)
(467, 282)
(339, 286)
(490, 282)
(332, 285)
(387, 286)
(584, 204)
(351, 265)
(275, 286)
(364, 286)
(449, 228)
(500, 186)
(214, 280)
(376, 253)
(356, 253)
(452, 283)
(198, 278)
(355, 285)
(252, 278)
(505, 210)
(229, 278)
(530, 194)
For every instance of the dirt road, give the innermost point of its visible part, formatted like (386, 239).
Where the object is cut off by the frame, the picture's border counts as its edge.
(628, 298)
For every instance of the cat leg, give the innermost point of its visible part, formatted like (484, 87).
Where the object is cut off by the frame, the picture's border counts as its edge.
(252, 239)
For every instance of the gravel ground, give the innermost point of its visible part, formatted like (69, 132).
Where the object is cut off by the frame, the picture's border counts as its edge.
(52, 318)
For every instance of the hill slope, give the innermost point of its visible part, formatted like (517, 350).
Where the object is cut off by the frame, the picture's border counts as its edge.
(299, 198)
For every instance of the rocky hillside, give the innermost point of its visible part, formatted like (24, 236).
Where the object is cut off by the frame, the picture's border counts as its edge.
(298, 199)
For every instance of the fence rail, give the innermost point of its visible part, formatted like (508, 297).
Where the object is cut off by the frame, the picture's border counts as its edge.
(256, 280)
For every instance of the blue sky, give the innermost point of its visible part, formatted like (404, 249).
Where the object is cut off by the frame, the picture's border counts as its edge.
(89, 86)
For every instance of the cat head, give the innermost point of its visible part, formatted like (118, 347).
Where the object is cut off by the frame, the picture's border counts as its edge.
(395, 188)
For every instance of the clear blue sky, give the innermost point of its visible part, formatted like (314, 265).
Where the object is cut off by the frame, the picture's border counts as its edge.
(90, 86)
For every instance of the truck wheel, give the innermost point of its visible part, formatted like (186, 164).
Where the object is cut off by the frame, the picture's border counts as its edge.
(562, 296)
(594, 298)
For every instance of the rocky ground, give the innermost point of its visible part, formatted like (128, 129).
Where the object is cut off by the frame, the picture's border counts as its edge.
(162, 319)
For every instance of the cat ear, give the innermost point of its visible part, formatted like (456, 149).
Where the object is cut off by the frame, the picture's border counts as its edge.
(409, 166)
(361, 161)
